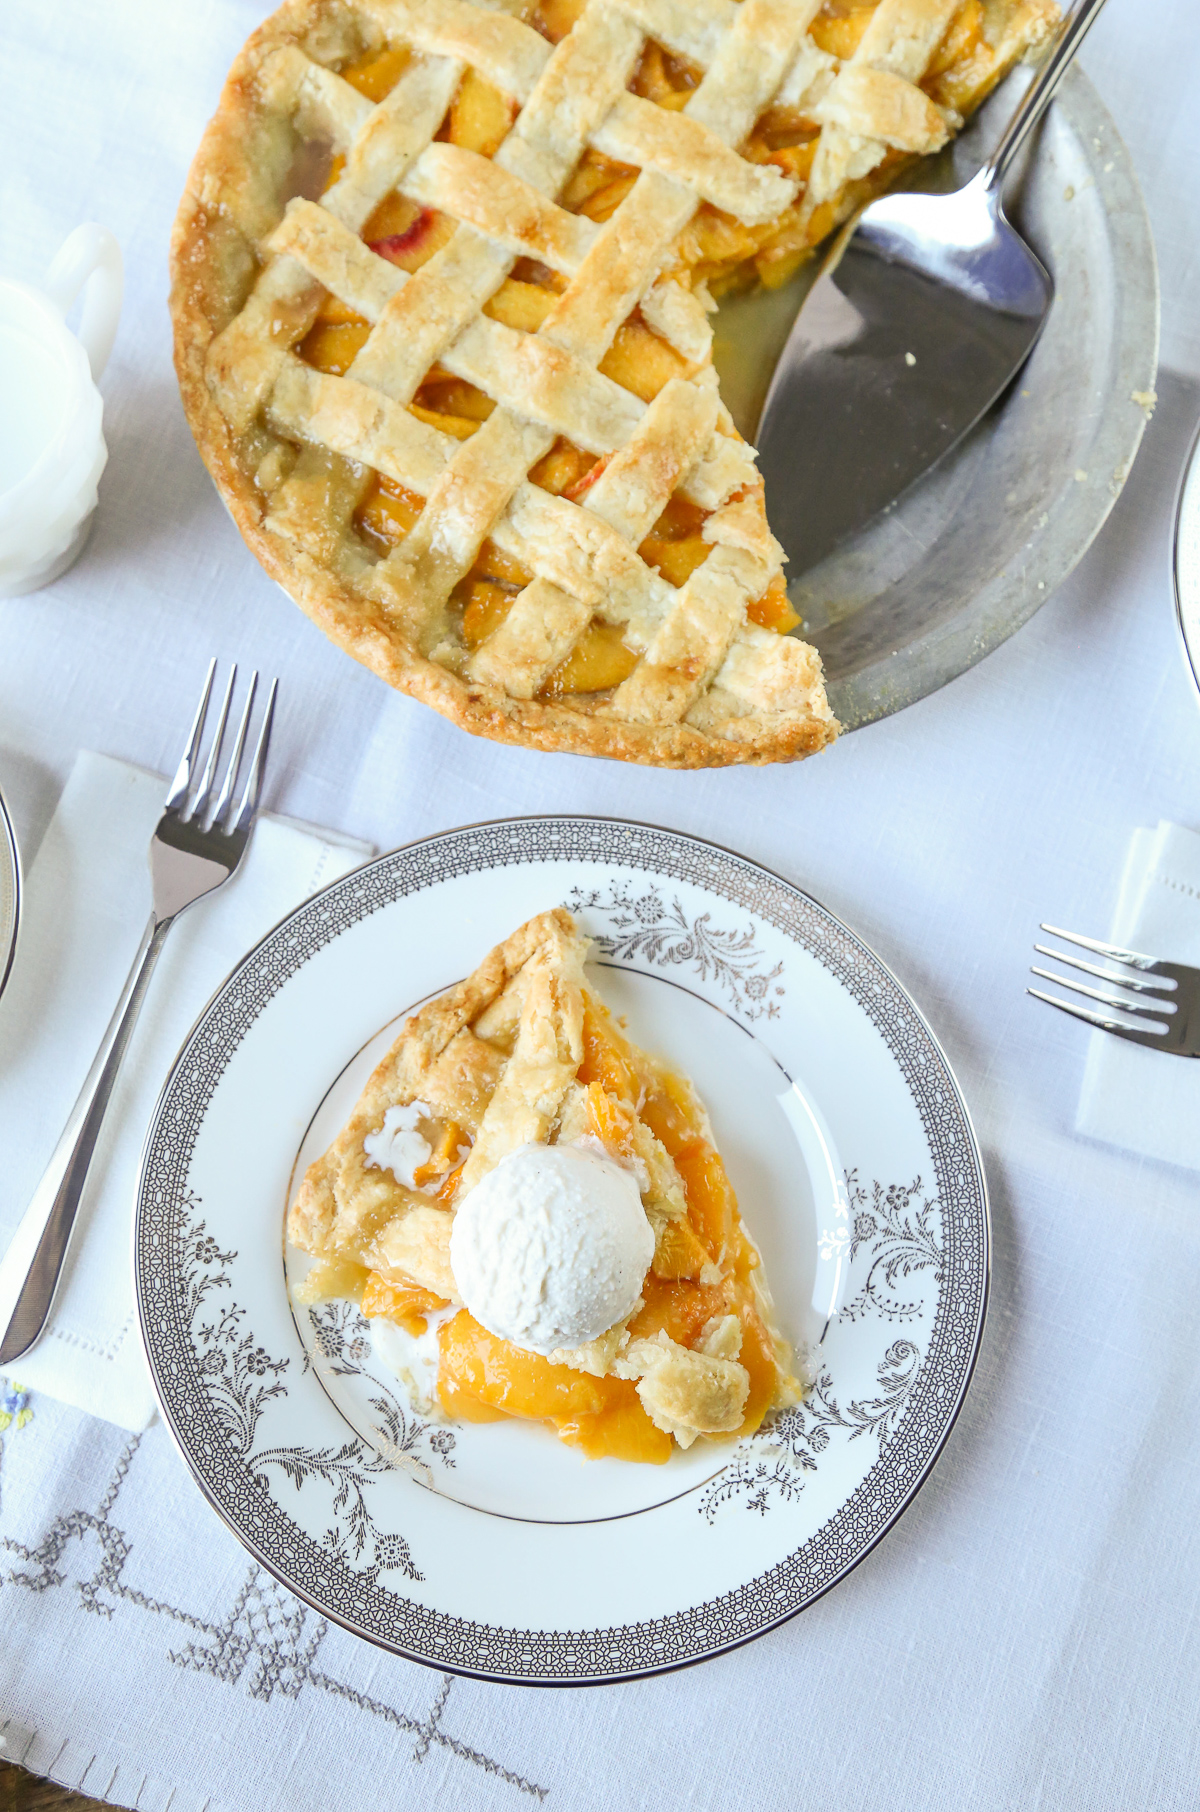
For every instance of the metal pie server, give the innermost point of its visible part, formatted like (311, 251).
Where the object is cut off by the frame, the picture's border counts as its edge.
(926, 309)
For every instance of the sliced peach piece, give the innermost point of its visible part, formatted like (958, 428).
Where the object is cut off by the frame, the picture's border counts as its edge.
(773, 610)
(622, 1431)
(461, 427)
(604, 200)
(678, 1308)
(444, 1156)
(480, 116)
(607, 1057)
(520, 305)
(841, 34)
(333, 346)
(407, 1304)
(712, 1205)
(413, 245)
(598, 661)
(678, 1252)
(389, 511)
(555, 18)
(668, 1112)
(376, 74)
(562, 469)
(486, 608)
(509, 1378)
(493, 563)
(675, 560)
(640, 361)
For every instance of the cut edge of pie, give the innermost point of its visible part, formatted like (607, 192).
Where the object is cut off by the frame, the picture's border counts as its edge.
(439, 288)
(523, 1052)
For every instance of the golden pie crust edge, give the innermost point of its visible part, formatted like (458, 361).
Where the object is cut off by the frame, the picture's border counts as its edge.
(200, 309)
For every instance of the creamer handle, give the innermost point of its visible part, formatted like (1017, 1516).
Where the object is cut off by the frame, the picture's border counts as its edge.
(90, 255)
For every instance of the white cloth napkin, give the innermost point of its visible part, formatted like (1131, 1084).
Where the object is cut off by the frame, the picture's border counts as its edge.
(87, 903)
(1132, 1096)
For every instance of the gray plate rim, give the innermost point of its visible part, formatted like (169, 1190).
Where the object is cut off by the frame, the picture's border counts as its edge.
(10, 862)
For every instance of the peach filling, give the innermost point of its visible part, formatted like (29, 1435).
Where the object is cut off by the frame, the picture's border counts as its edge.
(638, 359)
(482, 1378)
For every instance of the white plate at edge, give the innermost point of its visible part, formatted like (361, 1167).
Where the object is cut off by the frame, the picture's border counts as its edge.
(494, 1551)
(10, 894)
(1186, 561)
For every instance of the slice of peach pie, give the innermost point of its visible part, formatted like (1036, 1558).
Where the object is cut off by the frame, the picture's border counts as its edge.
(441, 287)
(541, 1209)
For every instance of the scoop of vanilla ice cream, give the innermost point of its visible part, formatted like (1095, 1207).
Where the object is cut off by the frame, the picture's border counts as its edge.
(550, 1248)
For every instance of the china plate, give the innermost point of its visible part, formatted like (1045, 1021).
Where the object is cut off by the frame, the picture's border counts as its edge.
(10, 894)
(493, 1550)
(1186, 562)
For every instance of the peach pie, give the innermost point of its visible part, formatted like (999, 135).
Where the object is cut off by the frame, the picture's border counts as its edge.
(441, 288)
(541, 1206)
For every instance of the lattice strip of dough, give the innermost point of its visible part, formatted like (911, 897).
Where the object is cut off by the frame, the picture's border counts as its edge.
(893, 54)
(506, 52)
(901, 115)
(751, 63)
(544, 622)
(501, 207)
(546, 1056)
(690, 643)
(244, 359)
(763, 673)
(469, 495)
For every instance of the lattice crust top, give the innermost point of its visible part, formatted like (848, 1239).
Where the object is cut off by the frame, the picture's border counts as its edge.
(255, 261)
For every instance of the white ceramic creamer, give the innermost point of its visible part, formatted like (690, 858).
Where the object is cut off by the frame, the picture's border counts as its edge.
(52, 449)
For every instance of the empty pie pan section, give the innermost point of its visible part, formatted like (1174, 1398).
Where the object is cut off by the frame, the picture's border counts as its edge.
(971, 551)
(790, 1187)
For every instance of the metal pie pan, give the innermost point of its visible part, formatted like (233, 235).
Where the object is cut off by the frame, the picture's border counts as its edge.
(970, 553)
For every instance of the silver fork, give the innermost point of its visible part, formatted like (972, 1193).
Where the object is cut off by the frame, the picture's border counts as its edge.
(1168, 1008)
(196, 846)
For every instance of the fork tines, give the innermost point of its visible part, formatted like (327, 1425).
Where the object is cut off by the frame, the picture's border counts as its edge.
(1149, 1000)
(191, 798)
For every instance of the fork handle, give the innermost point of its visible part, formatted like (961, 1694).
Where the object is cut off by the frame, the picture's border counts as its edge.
(1040, 92)
(33, 1264)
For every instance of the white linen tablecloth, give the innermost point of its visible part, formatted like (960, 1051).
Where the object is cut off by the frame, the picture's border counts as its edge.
(1026, 1637)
